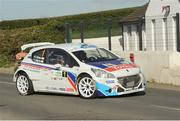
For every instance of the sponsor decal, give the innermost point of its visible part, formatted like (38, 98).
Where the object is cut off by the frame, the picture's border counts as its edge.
(72, 83)
(60, 89)
(109, 81)
(55, 78)
(66, 89)
(35, 66)
(57, 73)
(72, 80)
(64, 73)
(112, 64)
(109, 64)
(51, 88)
(119, 67)
(69, 90)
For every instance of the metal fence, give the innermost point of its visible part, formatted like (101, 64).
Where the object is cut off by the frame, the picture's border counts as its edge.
(159, 34)
(93, 29)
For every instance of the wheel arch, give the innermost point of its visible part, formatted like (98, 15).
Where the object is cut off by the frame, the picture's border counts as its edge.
(81, 75)
(84, 74)
(19, 72)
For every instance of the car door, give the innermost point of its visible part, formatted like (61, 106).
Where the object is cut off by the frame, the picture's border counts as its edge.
(38, 69)
(62, 75)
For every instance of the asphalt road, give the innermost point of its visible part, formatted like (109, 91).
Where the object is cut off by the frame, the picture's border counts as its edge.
(156, 104)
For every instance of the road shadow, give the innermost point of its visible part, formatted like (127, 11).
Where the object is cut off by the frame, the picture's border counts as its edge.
(3, 105)
(55, 94)
(137, 94)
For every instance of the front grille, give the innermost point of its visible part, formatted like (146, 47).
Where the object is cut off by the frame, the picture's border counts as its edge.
(129, 81)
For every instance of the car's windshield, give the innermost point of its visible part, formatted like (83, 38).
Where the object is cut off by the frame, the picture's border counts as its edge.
(94, 55)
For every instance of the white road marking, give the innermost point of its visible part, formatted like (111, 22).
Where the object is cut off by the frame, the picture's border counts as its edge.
(165, 107)
(6, 83)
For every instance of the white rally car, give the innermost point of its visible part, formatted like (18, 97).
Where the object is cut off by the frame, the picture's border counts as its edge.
(77, 69)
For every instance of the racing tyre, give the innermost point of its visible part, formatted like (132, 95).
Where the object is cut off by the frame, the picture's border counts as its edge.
(24, 85)
(87, 87)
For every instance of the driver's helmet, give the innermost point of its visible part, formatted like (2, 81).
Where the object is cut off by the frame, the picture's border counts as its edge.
(60, 60)
(82, 56)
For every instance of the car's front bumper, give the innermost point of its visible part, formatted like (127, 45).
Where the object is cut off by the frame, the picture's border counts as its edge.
(116, 89)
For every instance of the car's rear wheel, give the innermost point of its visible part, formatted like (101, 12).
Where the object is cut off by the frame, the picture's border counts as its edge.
(24, 85)
(87, 87)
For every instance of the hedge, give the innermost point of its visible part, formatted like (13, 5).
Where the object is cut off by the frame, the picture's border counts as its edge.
(12, 40)
(15, 33)
(73, 19)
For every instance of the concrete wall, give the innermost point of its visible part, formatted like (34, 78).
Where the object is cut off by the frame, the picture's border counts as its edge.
(103, 42)
(161, 67)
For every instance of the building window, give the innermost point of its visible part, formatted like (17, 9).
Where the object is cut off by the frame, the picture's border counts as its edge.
(153, 32)
(165, 34)
(174, 31)
(136, 37)
(129, 29)
(144, 37)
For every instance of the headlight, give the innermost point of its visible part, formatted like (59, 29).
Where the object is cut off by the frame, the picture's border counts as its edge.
(102, 74)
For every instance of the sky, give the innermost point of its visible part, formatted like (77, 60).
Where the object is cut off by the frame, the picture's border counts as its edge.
(25, 9)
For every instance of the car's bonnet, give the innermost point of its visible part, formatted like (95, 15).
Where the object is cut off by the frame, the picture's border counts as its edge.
(118, 67)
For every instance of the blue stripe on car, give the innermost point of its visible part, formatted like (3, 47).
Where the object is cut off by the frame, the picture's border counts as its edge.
(72, 76)
(103, 65)
(104, 89)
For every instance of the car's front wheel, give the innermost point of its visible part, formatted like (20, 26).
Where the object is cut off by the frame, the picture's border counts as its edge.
(24, 85)
(87, 87)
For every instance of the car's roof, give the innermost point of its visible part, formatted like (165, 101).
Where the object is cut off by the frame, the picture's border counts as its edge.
(68, 46)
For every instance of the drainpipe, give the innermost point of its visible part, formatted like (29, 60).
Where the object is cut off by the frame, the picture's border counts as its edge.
(178, 31)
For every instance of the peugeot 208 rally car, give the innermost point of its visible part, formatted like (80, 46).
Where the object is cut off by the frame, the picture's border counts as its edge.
(77, 69)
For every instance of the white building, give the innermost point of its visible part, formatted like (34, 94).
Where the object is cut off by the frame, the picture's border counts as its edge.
(153, 27)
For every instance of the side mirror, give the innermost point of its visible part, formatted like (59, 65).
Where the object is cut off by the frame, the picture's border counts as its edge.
(58, 66)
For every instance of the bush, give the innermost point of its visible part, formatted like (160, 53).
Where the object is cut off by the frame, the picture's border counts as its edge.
(14, 34)
(12, 40)
(73, 19)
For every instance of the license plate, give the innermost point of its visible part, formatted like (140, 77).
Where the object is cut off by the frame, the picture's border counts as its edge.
(130, 84)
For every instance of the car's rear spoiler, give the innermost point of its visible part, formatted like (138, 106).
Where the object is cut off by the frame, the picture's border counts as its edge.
(24, 47)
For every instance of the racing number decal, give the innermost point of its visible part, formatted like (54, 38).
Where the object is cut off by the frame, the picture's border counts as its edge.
(64, 74)
(70, 78)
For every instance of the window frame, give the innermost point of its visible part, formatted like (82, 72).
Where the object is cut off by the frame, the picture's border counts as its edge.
(32, 56)
(67, 56)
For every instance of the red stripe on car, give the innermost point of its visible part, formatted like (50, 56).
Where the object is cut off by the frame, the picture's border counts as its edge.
(119, 67)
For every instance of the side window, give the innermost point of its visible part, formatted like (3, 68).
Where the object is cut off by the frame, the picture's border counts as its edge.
(39, 56)
(58, 56)
(73, 62)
